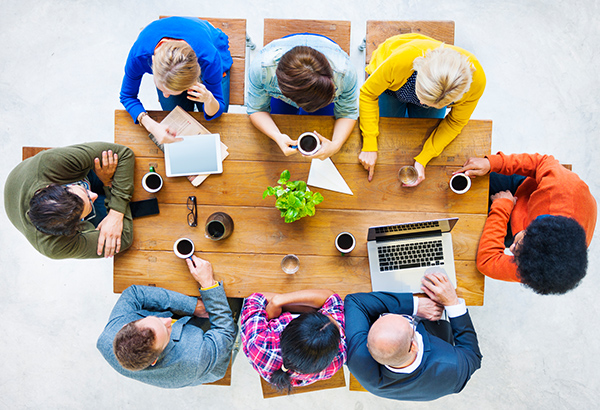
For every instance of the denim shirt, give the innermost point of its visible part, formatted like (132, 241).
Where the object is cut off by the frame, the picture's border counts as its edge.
(262, 81)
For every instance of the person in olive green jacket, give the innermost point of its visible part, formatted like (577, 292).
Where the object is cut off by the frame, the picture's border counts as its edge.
(51, 199)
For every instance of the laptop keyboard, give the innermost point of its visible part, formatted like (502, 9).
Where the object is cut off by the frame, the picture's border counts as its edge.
(407, 227)
(414, 255)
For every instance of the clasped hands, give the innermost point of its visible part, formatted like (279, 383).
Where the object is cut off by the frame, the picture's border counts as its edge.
(328, 148)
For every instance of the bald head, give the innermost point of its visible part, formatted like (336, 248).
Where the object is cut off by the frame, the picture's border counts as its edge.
(389, 340)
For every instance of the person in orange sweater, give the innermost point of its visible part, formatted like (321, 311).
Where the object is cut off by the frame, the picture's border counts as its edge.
(552, 214)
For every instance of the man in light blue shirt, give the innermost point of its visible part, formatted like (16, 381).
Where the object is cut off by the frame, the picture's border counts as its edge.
(143, 341)
(303, 74)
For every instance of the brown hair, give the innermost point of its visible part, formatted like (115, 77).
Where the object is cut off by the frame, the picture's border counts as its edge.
(175, 65)
(305, 76)
(134, 347)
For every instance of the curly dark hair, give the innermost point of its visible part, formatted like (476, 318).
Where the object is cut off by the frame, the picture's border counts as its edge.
(55, 210)
(552, 256)
(305, 76)
(308, 344)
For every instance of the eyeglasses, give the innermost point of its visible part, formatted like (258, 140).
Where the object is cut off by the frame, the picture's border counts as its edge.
(92, 213)
(413, 324)
(193, 215)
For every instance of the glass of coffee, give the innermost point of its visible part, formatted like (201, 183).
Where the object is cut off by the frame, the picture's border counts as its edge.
(290, 264)
(408, 175)
(308, 143)
(218, 226)
(183, 248)
(460, 183)
(152, 181)
(345, 242)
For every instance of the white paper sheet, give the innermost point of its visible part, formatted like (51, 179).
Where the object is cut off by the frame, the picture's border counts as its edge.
(324, 174)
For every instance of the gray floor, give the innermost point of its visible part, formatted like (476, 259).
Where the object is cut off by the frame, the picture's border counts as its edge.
(60, 74)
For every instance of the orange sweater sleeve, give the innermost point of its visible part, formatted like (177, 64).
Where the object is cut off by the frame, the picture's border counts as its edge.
(491, 259)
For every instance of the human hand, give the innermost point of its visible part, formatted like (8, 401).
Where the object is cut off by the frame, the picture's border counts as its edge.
(162, 132)
(110, 229)
(201, 271)
(328, 148)
(439, 289)
(285, 143)
(368, 160)
(106, 169)
(421, 171)
(475, 167)
(430, 310)
(273, 308)
(200, 310)
(504, 194)
(199, 93)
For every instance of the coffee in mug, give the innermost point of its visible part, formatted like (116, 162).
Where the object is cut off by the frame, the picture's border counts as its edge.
(460, 183)
(218, 226)
(152, 181)
(345, 242)
(183, 248)
(308, 143)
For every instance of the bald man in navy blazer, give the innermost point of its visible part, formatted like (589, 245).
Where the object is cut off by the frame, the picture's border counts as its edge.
(394, 357)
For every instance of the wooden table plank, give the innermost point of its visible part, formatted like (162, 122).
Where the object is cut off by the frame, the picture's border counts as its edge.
(242, 183)
(263, 230)
(243, 274)
(248, 144)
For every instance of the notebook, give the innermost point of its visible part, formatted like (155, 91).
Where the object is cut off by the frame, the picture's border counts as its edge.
(399, 255)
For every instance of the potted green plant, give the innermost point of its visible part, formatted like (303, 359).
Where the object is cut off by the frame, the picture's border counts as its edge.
(294, 199)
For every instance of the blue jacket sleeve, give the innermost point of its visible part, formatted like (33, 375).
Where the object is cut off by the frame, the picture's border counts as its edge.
(466, 348)
(218, 340)
(130, 87)
(136, 298)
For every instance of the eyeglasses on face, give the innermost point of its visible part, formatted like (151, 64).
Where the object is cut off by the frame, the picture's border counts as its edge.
(193, 214)
(92, 213)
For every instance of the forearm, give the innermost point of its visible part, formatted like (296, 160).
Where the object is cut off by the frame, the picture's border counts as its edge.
(264, 123)
(521, 164)
(341, 131)
(309, 298)
(491, 260)
(212, 106)
(151, 298)
(218, 309)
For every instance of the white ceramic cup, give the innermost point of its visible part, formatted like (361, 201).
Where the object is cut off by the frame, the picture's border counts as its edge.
(343, 247)
(152, 189)
(460, 183)
(310, 146)
(182, 248)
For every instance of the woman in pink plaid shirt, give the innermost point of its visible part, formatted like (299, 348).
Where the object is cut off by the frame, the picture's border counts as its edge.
(289, 350)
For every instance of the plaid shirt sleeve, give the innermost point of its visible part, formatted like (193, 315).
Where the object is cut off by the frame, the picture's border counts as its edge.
(260, 336)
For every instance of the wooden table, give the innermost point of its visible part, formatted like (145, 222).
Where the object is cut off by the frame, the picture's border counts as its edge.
(249, 260)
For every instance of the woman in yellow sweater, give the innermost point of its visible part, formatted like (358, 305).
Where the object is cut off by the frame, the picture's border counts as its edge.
(412, 75)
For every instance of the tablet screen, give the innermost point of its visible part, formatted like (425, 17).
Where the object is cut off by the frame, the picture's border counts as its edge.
(196, 154)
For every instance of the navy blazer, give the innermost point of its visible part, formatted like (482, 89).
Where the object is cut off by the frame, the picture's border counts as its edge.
(444, 369)
(192, 357)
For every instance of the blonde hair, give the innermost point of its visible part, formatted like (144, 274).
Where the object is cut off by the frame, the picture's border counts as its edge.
(175, 65)
(444, 75)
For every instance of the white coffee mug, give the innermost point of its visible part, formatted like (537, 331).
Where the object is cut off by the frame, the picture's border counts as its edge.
(460, 183)
(183, 248)
(154, 183)
(309, 143)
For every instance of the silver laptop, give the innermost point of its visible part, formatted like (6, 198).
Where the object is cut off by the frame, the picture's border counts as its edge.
(399, 255)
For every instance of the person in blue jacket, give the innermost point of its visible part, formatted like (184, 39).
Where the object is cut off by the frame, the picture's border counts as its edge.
(190, 61)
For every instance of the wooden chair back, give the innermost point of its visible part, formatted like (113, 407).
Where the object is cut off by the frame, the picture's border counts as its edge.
(236, 31)
(355, 384)
(336, 30)
(379, 31)
(336, 381)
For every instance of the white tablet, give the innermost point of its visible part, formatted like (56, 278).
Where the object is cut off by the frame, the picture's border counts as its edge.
(196, 154)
